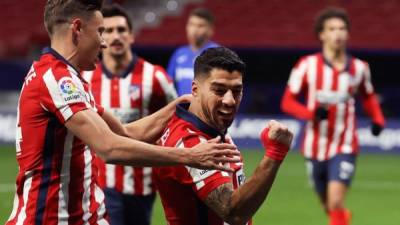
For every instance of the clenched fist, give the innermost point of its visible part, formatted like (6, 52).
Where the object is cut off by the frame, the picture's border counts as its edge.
(276, 139)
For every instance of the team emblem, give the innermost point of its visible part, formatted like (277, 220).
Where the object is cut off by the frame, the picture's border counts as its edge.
(134, 92)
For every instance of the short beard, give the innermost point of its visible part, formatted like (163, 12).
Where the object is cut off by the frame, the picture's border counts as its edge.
(210, 119)
(199, 42)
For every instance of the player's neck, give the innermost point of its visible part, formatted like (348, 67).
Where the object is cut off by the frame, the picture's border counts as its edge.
(196, 47)
(117, 65)
(66, 50)
(336, 57)
(196, 109)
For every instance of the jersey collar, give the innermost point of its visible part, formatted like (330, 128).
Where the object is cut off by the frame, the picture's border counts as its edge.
(49, 50)
(183, 113)
(347, 66)
(128, 70)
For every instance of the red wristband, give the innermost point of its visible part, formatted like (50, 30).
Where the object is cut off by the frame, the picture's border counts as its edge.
(273, 149)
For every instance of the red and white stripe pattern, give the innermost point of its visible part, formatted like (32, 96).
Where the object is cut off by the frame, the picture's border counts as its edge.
(56, 182)
(325, 85)
(141, 92)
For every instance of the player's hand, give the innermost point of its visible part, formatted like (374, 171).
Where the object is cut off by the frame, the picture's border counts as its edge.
(212, 155)
(276, 139)
(321, 113)
(376, 129)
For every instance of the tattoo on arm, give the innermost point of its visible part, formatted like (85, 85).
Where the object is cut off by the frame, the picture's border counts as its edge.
(219, 200)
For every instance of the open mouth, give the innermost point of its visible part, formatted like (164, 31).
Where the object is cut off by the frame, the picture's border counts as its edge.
(117, 45)
(227, 114)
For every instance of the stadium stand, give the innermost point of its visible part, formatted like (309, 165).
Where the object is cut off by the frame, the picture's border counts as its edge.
(276, 26)
(236, 26)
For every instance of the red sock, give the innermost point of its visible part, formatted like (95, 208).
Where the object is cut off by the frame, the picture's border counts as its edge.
(338, 217)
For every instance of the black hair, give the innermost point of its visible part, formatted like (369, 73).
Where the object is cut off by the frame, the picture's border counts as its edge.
(115, 9)
(204, 14)
(329, 13)
(217, 58)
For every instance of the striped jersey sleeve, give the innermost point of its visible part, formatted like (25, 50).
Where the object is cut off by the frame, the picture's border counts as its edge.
(203, 182)
(62, 93)
(166, 84)
(366, 87)
(298, 77)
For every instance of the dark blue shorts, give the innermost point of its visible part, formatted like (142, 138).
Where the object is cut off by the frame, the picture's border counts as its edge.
(126, 209)
(339, 168)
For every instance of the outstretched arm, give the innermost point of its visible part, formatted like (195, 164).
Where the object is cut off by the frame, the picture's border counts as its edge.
(147, 129)
(237, 207)
(92, 130)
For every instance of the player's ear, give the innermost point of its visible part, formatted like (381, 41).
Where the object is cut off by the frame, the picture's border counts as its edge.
(321, 36)
(131, 37)
(195, 88)
(76, 26)
(211, 31)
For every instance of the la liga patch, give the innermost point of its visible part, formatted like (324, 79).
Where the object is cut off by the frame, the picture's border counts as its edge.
(70, 91)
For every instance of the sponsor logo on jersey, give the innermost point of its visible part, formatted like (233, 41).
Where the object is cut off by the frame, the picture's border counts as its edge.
(332, 97)
(70, 91)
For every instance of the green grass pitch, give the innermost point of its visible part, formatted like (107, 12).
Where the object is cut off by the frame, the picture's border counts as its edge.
(374, 197)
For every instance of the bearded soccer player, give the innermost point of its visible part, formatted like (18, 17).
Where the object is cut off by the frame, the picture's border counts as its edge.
(57, 117)
(193, 196)
(329, 81)
(130, 88)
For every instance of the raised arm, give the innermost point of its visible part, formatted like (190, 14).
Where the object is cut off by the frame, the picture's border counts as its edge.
(91, 129)
(237, 207)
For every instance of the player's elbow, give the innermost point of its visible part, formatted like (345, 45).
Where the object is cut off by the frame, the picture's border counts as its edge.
(105, 150)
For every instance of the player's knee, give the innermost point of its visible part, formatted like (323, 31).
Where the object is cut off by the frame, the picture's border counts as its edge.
(335, 204)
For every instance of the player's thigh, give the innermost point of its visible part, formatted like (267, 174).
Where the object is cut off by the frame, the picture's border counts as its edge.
(138, 209)
(114, 206)
(341, 169)
(318, 177)
(340, 175)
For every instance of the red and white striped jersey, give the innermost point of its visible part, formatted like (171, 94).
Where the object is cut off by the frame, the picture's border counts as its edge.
(57, 178)
(182, 188)
(141, 90)
(323, 85)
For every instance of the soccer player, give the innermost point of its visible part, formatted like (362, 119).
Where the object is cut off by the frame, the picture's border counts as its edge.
(329, 81)
(193, 196)
(130, 88)
(57, 117)
(199, 31)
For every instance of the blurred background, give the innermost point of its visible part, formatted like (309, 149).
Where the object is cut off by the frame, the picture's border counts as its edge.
(270, 36)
